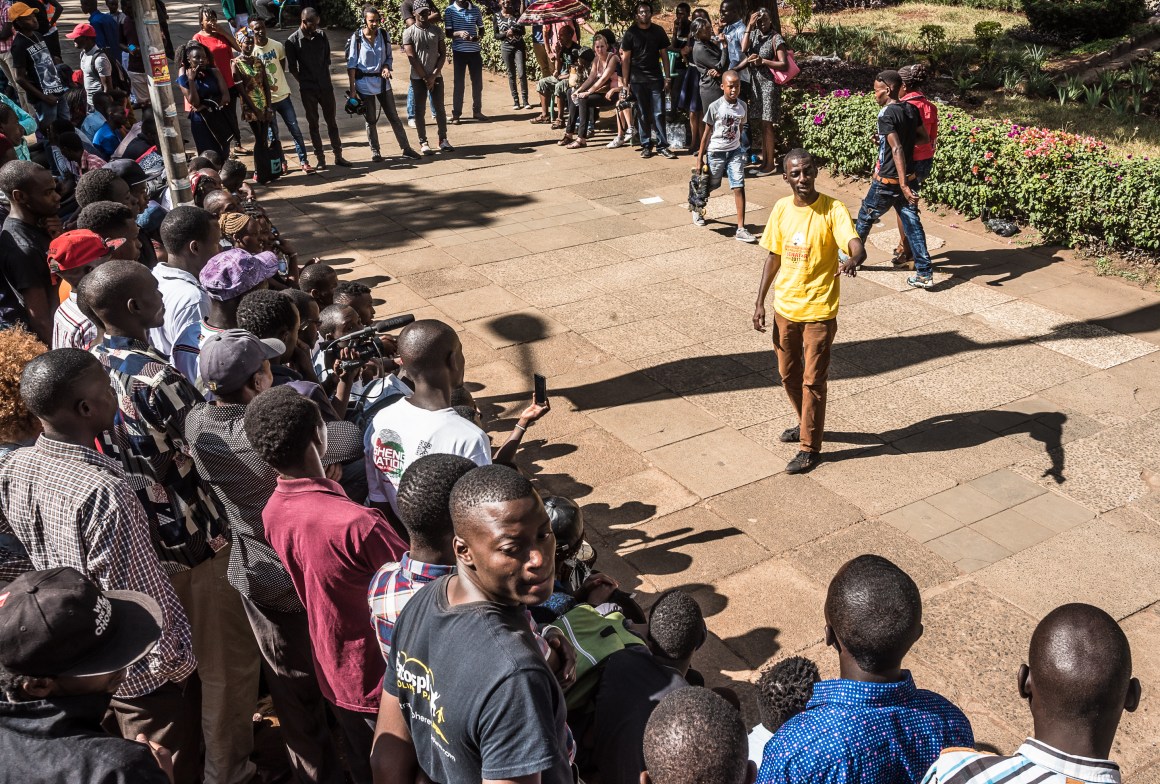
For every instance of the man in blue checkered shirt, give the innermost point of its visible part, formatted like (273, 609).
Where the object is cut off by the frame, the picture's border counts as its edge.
(872, 725)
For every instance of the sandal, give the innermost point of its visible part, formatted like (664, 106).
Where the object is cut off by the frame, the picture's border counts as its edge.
(568, 139)
(577, 144)
(557, 125)
(540, 119)
(901, 257)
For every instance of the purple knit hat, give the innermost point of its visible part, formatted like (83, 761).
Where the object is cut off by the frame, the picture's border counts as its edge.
(234, 272)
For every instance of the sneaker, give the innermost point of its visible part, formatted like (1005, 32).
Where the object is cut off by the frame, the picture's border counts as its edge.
(645, 152)
(615, 143)
(790, 435)
(698, 218)
(445, 146)
(743, 235)
(376, 158)
(410, 122)
(455, 119)
(666, 152)
(802, 462)
(426, 149)
(516, 106)
(920, 281)
(342, 162)
(411, 154)
(306, 167)
(320, 164)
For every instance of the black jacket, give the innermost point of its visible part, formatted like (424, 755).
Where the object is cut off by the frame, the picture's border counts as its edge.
(60, 741)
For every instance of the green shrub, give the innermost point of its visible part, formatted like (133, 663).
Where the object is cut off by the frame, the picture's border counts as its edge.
(990, 5)
(986, 34)
(1083, 20)
(1070, 188)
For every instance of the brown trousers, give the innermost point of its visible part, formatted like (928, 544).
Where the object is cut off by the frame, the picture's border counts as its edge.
(803, 360)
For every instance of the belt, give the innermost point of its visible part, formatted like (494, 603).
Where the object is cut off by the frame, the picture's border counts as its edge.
(893, 180)
(361, 74)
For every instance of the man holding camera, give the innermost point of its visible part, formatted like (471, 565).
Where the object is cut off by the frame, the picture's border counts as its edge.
(463, 24)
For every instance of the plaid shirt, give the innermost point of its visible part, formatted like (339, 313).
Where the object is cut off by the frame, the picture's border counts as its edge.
(70, 505)
(148, 437)
(391, 589)
(71, 328)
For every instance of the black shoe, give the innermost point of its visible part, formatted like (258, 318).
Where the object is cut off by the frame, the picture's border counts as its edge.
(791, 434)
(479, 117)
(455, 119)
(412, 154)
(340, 161)
(803, 462)
(665, 151)
(645, 152)
(376, 158)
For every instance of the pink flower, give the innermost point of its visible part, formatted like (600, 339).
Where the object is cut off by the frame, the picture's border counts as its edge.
(819, 118)
(988, 155)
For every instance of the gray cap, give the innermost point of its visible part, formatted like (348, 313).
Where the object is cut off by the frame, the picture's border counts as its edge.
(231, 357)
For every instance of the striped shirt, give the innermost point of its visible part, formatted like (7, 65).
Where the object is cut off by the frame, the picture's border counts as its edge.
(1032, 763)
(463, 19)
(70, 505)
(242, 483)
(148, 437)
(868, 733)
(71, 328)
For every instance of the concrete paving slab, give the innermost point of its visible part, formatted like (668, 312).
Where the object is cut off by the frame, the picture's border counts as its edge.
(962, 449)
(961, 297)
(628, 501)
(609, 383)
(771, 610)
(922, 521)
(639, 339)
(587, 460)
(629, 274)
(820, 559)
(966, 504)
(553, 356)
(449, 280)
(689, 546)
(1012, 530)
(885, 479)
(684, 370)
(1087, 473)
(479, 303)
(656, 421)
(1095, 345)
(1054, 512)
(715, 462)
(514, 272)
(554, 291)
(518, 326)
(1084, 564)
(968, 549)
(744, 400)
(760, 510)
(896, 312)
(1006, 487)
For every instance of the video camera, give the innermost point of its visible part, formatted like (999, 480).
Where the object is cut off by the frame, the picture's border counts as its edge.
(364, 343)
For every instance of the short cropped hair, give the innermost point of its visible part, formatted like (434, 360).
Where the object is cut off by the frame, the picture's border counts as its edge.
(184, 224)
(266, 313)
(102, 216)
(46, 379)
(424, 497)
(695, 737)
(95, 185)
(676, 625)
(784, 690)
(874, 609)
(314, 275)
(280, 424)
(489, 484)
(17, 175)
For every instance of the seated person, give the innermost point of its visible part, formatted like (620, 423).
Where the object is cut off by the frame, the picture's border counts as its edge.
(554, 86)
(872, 723)
(309, 318)
(106, 136)
(695, 735)
(1078, 683)
(360, 388)
(358, 296)
(783, 691)
(65, 648)
(319, 280)
(234, 173)
(634, 680)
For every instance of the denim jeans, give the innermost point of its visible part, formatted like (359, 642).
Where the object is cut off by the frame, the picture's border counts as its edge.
(411, 103)
(650, 112)
(419, 88)
(513, 60)
(464, 62)
(882, 198)
(285, 108)
(46, 113)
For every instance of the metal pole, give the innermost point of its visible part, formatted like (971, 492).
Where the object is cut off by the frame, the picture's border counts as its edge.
(161, 94)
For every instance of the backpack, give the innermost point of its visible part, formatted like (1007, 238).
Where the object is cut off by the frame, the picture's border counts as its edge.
(119, 78)
(595, 637)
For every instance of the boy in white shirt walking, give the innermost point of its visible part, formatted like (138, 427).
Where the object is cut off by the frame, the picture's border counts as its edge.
(724, 119)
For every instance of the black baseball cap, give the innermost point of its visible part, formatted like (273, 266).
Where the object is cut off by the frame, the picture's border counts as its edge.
(130, 171)
(58, 623)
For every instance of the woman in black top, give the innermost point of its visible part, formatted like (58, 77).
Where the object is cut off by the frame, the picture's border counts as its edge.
(711, 60)
(679, 50)
(510, 34)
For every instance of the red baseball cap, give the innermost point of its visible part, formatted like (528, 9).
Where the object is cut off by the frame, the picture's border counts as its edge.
(83, 30)
(79, 247)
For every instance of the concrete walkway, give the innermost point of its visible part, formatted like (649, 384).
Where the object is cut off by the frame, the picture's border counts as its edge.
(992, 436)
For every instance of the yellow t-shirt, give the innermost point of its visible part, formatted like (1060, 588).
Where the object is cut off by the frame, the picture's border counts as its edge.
(808, 239)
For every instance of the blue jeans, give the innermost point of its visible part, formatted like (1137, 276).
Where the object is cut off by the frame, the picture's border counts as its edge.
(650, 112)
(46, 113)
(411, 104)
(880, 199)
(285, 108)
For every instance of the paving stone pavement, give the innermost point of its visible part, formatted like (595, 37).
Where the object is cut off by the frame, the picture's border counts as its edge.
(988, 436)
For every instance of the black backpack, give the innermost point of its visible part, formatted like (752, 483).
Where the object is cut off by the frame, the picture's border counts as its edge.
(119, 79)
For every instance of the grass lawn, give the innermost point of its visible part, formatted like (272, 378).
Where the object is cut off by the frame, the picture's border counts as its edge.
(1130, 135)
(906, 19)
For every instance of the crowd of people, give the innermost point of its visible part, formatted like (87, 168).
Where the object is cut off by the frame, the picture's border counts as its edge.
(223, 479)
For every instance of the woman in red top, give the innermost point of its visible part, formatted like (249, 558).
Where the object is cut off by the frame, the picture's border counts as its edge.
(221, 47)
(912, 78)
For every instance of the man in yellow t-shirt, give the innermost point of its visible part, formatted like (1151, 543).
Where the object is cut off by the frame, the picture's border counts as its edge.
(273, 56)
(804, 235)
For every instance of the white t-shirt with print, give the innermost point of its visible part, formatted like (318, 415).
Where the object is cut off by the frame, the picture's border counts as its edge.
(402, 433)
(727, 120)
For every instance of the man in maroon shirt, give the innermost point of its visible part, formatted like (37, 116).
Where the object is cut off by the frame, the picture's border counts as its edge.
(331, 547)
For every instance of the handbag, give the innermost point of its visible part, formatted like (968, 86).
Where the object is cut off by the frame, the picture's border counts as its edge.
(791, 70)
(276, 164)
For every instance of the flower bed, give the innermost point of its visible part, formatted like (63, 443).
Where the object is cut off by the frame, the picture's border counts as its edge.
(1072, 189)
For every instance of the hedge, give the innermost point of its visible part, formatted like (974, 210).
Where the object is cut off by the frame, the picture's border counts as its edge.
(1084, 20)
(1071, 188)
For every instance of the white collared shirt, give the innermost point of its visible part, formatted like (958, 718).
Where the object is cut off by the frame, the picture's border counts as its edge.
(186, 302)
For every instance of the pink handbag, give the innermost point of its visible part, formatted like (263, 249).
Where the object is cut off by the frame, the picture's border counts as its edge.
(791, 70)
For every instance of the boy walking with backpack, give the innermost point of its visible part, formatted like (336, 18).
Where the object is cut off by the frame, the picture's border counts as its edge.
(724, 119)
(102, 71)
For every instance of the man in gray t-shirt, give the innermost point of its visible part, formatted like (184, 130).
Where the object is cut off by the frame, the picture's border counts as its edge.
(426, 48)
